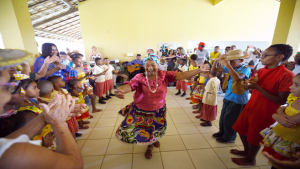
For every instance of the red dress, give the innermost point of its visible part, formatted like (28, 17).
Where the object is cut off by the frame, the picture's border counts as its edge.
(257, 114)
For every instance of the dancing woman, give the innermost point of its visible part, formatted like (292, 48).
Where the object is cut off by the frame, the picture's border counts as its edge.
(145, 118)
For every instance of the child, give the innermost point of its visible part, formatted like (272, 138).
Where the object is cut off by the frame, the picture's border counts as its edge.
(74, 85)
(181, 84)
(163, 66)
(270, 90)
(235, 97)
(197, 94)
(99, 72)
(193, 66)
(283, 141)
(209, 111)
(29, 110)
(46, 89)
(80, 73)
(108, 78)
(58, 84)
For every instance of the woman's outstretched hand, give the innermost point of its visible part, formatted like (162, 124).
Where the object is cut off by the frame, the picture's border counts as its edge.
(204, 67)
(120, 94)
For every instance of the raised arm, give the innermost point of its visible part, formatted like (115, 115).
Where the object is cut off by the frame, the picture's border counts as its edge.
(235, 76)
(215, 68)
(190, 74)
(25, 69)
(121, 91)
(43, 71)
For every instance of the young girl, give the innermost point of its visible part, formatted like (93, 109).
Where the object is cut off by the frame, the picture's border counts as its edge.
(29, 110)
(283, 141)
(198, 93)
(181, 84)
(193, 66)
(74, 85)
(80, 73)
(99, 72)
(209, 112)
(109, 78)
(270, 90)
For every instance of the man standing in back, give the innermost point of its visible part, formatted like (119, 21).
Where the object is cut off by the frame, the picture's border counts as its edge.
(201, 53)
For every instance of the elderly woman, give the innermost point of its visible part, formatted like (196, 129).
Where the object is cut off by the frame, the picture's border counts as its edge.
(55, 68)
(94, 54)
(145, 118)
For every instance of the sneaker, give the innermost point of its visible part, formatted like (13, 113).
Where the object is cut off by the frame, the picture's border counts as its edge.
(178, 93)
(101, 101)
(111, 94)
(184, 94)
(221, 140)
(217, 135)
(78, 134)
(103, 98)
(115, 87)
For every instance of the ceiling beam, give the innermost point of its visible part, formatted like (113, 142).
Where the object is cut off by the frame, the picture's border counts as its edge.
(53, 33)
(70, 25)
(61, 21)
(45, 10)
(76, 22)
(40, 2)
(71, 10)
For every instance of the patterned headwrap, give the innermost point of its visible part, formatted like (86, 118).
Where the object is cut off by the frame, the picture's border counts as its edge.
(151, 57)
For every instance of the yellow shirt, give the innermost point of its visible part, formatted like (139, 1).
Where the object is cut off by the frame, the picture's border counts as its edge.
(213, 56)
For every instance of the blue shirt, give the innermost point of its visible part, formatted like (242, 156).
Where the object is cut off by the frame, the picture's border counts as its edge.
(239, 99)
(135, 61)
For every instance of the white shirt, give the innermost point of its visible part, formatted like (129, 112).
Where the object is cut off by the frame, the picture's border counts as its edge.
(109, 74)
(183, 68)
(297, 69)
(201, 56)
(212, 87)
(163, 67)
(98, 70)
(6, 143)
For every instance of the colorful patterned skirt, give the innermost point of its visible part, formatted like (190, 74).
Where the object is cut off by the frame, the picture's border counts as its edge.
(193, 100)
(141, 127)
(85, 115)
(198, 92)
(277, 146)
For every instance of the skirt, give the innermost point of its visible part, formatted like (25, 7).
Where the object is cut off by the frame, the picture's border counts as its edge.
(277, 146)
(109, 84)
(72, 124)
(141, 127)
(181, 84)
(193, 100)
(209, 113)
(100, 89)
(85, 115)
(198, 92)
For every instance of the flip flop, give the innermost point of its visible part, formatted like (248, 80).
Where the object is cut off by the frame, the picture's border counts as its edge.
(84, 127)
(148, 153)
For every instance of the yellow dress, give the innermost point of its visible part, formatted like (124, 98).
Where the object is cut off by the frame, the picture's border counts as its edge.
(285, 141)
(47, 129)
(86, 113)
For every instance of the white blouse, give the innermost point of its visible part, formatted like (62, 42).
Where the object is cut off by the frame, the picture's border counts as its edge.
(109, 73)
(98, 70)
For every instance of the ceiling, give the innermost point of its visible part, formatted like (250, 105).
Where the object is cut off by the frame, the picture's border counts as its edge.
(55, 19)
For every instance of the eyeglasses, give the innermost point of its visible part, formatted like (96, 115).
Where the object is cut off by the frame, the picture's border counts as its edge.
(11, 87)
(264, 56)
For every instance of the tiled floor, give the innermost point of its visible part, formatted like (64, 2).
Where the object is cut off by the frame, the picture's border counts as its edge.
(186, 145)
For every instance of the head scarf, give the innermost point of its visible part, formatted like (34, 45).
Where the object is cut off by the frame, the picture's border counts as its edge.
(153, 58)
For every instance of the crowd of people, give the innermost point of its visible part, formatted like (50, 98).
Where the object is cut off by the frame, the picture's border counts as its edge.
(47, 107)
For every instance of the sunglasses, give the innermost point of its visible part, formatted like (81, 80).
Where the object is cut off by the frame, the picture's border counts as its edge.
(11, 87)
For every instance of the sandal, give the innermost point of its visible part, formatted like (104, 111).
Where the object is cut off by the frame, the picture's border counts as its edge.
(199, 116)
(84, 127)
(195, 107)
(206, 124)
(86, 122)
(148, 153)
(156, 144)
(197, 111)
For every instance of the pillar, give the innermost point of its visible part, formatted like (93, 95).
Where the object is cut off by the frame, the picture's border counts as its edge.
(16, 26)
(287, 28)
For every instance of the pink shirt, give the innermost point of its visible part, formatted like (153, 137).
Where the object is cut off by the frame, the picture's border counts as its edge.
(143, 97)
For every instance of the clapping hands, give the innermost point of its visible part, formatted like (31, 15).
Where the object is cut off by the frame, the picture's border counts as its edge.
(251, 83)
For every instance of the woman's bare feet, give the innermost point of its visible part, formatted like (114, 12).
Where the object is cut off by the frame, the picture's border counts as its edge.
(97, 110)
(148, 153)
(244, 161)
(238, 152)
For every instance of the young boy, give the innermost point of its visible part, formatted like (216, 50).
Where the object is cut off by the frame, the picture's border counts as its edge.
(271, 87)
(235, 97)
(99, 73)
(209, 111)
(163, 66)
(181, 84)
(46, 88)
(58, 83)
(108, 77)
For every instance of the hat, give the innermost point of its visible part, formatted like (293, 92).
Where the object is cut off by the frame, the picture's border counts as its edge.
(201, 44)
(235, 54)
(13, 57)
(62, 53)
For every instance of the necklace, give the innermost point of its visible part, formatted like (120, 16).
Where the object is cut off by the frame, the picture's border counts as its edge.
(149, 85)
